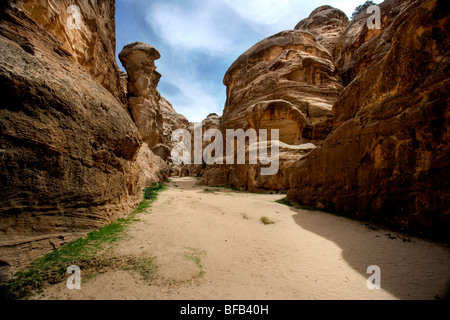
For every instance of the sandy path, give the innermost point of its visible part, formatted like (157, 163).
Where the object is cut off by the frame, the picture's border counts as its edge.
(213, 246)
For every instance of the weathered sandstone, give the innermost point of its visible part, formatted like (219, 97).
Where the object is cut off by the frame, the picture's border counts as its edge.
(171, 121)
(326, 24)
(70, 154)
(143, 97)
(210, 122)
(287, 82)
(292, 82)
(387, 158)
(88, 38)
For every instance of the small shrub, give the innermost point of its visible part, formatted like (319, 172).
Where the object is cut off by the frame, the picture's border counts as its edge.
(361, 8)
(266, 221)
(151, 193)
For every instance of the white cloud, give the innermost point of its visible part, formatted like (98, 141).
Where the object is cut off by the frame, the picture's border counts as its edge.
(193, 100)
(266, 12)
(279, 15)
(190, 31)
(191, 26)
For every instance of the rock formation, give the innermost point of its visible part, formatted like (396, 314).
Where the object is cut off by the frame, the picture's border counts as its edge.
(171, 121)
(292, 82)
(83, 32)
(387, 157)
(286, 82)
(210, 122)
(71, 157)
(374, 102)
(153, 114)
(326, 24)
(143, 98)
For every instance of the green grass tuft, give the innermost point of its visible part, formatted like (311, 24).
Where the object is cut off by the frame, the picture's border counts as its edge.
(266, 221)
(195, 256)
(52, 267)
(151, 193)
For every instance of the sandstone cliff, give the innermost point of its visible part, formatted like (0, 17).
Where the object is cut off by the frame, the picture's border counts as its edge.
(326, 24)
(374, 102)
(292, 82)
(387, 158)
(71, 157)
(171, 121)
(186, 170)
(86, 34)
(287, 82)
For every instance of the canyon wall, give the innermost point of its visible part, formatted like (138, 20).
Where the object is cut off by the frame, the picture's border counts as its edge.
(86, 34)
(387, 159)
(373, 102)
(287, 82)
(71, 157)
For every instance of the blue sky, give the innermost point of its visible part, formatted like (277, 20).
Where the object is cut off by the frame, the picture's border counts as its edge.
(199, 40)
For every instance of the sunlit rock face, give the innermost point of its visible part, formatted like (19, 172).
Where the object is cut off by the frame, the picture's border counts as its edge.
(291, 77)
(143, 97)
(86, 33)
(68, 148)
(287, 82)
(326, 24)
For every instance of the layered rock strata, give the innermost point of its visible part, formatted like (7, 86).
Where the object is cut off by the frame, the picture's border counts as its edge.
(85, 31)
(291, 81)
(143, 97)
(71, 157)
(326, 24)
(387, 157)
(287, 82)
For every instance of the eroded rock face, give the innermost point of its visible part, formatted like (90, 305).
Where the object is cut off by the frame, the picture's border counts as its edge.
(171, 121)
(193, 169)
(143, 97)
(292, 77)
(387, 158)
(326, 24)
(85, 33)
(153, 168)
(287, 82)
(68, 148)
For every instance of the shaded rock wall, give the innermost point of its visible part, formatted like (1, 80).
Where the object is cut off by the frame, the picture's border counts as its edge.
(387, 158)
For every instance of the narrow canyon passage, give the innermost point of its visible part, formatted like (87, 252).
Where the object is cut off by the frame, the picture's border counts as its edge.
(209, 243)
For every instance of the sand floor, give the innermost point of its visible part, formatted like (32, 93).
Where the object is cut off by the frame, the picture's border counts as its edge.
(212, 246)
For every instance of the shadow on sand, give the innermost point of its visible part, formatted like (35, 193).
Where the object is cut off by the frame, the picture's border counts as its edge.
(411, 268)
